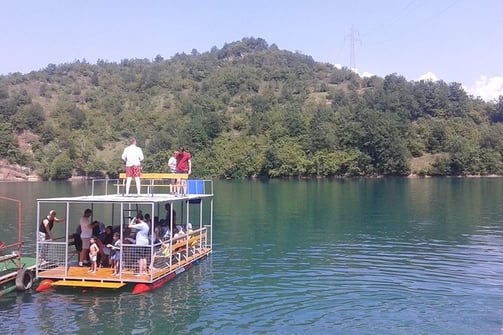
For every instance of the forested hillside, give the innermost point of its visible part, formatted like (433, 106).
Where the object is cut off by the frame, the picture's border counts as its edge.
(245, 110)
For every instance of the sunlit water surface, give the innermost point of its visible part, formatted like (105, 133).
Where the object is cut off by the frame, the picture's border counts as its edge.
(385, 256)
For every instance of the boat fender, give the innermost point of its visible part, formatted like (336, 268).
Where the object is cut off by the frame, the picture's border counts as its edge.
(141, 288)
(24, 279)
(45, 285)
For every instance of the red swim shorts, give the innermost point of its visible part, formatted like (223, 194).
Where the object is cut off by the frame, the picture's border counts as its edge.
(133, 171)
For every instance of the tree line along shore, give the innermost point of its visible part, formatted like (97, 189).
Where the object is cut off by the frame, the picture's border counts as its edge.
(245, 110)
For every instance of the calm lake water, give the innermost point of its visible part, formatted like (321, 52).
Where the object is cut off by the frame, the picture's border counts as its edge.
(365, 256)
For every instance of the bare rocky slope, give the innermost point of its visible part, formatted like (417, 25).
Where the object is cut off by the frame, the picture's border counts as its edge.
(9, 172)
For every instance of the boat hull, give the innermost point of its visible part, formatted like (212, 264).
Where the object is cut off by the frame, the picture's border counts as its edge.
(142, 287)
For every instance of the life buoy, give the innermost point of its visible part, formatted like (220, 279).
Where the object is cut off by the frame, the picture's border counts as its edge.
(24, 279)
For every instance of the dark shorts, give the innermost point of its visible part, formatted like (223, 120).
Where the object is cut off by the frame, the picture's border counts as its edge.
(133, 171)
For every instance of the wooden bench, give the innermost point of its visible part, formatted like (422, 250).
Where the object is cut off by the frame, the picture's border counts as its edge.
(153, 181)
(179, 247)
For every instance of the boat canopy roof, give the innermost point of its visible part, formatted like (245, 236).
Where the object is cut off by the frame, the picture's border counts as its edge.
(118, 198)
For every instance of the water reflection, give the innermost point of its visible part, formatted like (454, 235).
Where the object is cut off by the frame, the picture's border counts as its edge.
(168, 310)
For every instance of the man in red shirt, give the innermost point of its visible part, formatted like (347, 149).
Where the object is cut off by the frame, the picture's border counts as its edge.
(183, 165)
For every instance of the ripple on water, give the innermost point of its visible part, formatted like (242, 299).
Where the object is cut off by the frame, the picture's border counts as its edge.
(392, 282)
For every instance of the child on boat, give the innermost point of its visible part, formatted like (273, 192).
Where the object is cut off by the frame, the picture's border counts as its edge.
(93, 254)
(115, 254)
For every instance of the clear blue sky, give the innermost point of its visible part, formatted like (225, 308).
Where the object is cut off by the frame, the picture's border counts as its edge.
(452, 40)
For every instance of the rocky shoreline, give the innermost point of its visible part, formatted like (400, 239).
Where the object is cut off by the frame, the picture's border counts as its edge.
(17, 173)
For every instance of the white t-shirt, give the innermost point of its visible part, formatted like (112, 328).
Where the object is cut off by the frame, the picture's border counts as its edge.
(172, 164)
(85, 227)
(133, 155)
(142, 237)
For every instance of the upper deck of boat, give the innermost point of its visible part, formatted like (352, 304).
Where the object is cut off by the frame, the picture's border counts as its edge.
(154, 192)
(118, 198)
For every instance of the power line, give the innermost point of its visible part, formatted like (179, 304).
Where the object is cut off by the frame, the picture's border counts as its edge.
(354, 36)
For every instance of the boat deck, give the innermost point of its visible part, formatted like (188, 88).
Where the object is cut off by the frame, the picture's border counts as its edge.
(86, 278)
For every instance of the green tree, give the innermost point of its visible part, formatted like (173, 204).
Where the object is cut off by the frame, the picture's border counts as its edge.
(157, 162)
(490, 162)
(9, 147)
(96, 167)
(69, 116)
(286, 157)
(322, 129)
(496, 112)
(465, 159)
(381, 137)
(29, 117)
(233, 157)
(61, 167)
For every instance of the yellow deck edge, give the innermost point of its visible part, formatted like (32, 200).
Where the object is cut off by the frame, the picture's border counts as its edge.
(88, 283)
(122, 175)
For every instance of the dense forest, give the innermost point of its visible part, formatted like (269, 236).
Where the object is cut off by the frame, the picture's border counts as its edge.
(245, 110)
